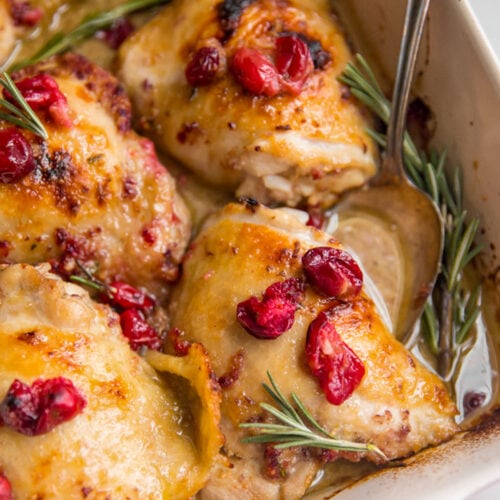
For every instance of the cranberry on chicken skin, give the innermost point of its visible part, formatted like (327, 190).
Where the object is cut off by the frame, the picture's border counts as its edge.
(248, 292)
(270, 69)
(94, 193)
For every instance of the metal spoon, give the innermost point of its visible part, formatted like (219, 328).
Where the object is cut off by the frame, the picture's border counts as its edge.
(393, 204)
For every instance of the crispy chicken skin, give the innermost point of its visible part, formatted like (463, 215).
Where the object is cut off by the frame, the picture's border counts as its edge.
(398, 406)
(288, 149)
(98, 193)
(135, 437)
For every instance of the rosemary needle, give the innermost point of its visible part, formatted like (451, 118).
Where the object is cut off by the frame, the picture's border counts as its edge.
(298, 427)
(92, 23)
(20, 113)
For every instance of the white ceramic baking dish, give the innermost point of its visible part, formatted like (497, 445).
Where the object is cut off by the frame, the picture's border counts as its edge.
(459, 78)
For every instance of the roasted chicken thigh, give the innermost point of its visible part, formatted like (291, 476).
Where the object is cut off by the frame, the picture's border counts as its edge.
(240, 277)
(246, 95)
(134, 435)
(97, 194)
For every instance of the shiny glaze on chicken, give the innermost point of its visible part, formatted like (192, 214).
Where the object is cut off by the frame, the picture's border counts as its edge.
(98, 195)
(136, 437)
(289, 149)
(399, 406)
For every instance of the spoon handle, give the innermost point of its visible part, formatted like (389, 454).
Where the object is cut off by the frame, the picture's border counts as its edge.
(416, 12)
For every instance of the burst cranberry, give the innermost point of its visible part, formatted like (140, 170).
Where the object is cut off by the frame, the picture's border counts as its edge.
(293, 62)
(137, 330)
(19, 409)
(37, 409)
(255, 73)
(126, 296)
(59, 401)
(16, 156)
(275, 313)
(332, 361)
(333, 272)
(117, 33)
(42, 93)
(5, 488)
(24, 14)
(203, 67)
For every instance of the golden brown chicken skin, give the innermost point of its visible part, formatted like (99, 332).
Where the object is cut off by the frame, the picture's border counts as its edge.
(98, 194)
(398, 405)
(136, 436)
(299, 139)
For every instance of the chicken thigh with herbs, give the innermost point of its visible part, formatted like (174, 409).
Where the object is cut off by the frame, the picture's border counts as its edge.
(264, 292)
(246, 94)
(94, 192)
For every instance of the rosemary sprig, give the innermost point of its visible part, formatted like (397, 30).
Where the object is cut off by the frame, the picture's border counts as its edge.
(298, 427)
(451, 311)
(92, 23)
(19, 114)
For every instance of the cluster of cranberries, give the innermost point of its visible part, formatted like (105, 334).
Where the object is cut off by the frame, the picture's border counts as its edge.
(37, 408)
(43, 95)
(334, 274)
(254, 71)
(132, 305)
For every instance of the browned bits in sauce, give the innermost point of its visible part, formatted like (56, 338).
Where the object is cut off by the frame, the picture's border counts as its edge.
(188, 132)
(229, 378)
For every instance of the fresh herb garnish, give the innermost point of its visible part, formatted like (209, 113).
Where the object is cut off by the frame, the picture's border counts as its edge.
(92, 23)
(20, 113)
(298, 427)
(451, 310)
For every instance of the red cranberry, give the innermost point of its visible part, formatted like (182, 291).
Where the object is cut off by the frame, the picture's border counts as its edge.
(316, 217)
(124, 295)
(42, 93)
(202, 68)
(275, 313)
(16, 156)
(5, 488)
(255, 73)
(117, 33)
(332, 361)
(137, 330)
(333, 272)
(24, 14)
(59, 401)
(20, 409)
(293, 62)
(37, 409)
